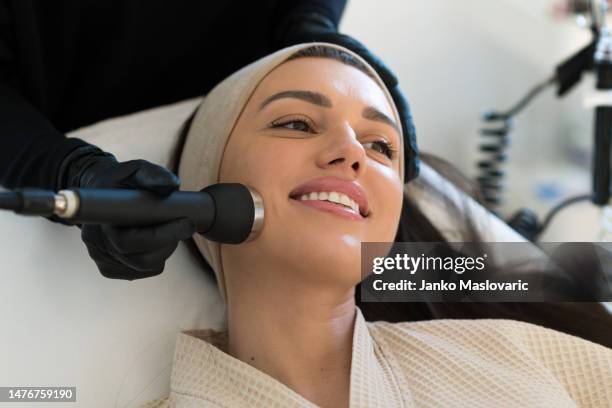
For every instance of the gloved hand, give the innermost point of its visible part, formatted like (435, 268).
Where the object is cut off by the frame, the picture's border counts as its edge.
(125, 252)
(306, 27)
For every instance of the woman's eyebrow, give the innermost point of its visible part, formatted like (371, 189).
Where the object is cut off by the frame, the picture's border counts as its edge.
(308, 96)
(319, 99)
(374, 114)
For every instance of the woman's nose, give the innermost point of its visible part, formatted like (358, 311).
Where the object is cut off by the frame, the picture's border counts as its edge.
(343, 151)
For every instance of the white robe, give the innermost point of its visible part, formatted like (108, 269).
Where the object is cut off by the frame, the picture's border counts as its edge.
(439, 363)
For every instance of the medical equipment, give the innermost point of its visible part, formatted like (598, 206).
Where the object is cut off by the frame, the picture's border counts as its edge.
(596, 57)
(496, 139)
(226, 212)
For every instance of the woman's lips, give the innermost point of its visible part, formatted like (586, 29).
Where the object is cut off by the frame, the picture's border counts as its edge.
(352, 189)
(333, 208)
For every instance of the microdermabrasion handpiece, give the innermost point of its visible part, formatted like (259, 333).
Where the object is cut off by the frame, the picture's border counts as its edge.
(227, 212)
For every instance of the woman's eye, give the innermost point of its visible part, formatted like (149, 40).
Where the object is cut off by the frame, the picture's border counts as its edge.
(294, 124)
(382, 147)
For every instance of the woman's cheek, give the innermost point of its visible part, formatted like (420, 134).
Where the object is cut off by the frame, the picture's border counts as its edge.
(390, 173)
(245, 160)
(274, 161)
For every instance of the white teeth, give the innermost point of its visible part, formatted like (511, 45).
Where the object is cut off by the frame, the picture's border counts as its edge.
(345, 200)
(332, 196)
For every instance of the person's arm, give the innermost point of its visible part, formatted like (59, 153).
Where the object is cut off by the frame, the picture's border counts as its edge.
(31, 149)
(33, 153)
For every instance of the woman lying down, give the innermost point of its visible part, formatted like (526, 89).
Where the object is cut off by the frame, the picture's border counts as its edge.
(300, 125)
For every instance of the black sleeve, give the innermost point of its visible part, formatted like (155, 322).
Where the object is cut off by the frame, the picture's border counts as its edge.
(31, 149)
(290, 13)
(332, 9)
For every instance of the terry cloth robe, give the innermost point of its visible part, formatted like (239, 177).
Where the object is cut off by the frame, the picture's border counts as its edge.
(439, 363)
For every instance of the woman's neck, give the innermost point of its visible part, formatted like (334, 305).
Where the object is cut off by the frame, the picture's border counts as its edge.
(297, 337)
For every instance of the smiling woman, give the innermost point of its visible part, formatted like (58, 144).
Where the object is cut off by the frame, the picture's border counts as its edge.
(301, 135)
(313, 129)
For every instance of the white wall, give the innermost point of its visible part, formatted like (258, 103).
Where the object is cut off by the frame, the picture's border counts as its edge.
(456, 59)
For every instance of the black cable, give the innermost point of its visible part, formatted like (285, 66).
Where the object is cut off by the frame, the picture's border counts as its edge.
(527, 98)
(555, 210)
(495, 141)
(10, 201)
(524, 101)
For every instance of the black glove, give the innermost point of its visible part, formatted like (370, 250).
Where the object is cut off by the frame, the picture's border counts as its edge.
(307, 27)
(125, 252)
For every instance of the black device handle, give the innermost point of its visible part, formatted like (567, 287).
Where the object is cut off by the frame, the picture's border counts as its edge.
(603, 138)
(230, 213)
(141, 208)
(222, 212)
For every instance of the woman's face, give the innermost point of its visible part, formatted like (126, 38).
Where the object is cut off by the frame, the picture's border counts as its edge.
(316, 125)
